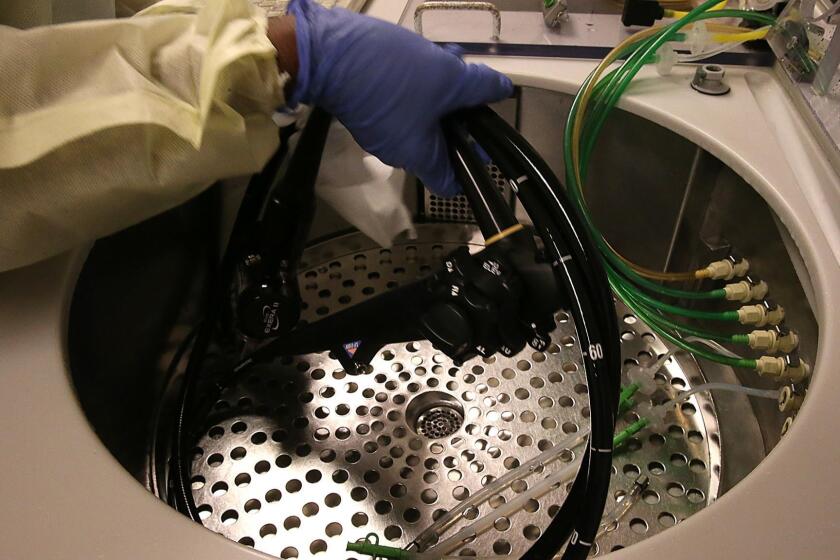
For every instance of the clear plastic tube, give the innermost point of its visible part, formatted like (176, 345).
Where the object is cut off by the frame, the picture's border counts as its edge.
(431, 534)
(611, 519)
(684, 58)
(750, 391)
(562, 476)
(643, 375)
(717, 347)
(655, 414)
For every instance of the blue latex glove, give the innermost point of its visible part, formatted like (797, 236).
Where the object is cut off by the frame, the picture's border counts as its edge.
(389, 87)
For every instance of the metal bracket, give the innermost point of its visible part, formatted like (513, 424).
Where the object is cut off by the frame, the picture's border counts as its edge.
(828, 66)
(554, 12)
(451, 5)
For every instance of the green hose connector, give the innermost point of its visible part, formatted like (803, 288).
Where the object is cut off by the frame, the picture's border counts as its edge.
(629, 431)
(625, 405)
(625, 402)
(628, 392)
(376, 550)
(740, 339)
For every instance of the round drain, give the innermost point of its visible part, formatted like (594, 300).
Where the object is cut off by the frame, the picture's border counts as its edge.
(301, 457)
(439, 422)
(435, 414)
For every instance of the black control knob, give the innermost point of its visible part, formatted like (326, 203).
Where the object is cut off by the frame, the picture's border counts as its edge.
(447, 328)
(265, 311)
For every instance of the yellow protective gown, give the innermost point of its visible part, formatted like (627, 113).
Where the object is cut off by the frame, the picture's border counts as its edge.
(105, 123)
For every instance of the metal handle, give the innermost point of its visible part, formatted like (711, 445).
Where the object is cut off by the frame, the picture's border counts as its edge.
(451, 5)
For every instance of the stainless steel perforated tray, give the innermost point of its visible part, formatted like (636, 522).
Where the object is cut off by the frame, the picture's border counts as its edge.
(302, 458)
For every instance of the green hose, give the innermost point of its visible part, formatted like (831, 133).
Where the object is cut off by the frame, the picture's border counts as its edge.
(691, 331)
(627, 283)
(731, 316)
(649, 48)
(629, 431)
(596, 234)
(605, 96)
(618, 80)
(696, 350)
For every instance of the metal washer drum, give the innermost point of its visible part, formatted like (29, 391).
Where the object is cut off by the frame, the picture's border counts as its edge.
(301, 458)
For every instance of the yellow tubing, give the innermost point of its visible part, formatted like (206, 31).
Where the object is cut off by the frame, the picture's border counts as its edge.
(576, 133)
(502, 234)
(677, 14)
(752, 35)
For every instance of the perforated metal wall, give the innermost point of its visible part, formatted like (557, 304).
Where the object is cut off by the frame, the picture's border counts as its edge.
(457, 209)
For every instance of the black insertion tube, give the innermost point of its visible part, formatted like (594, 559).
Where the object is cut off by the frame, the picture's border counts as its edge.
(607, 368)
(568, 219)
(577, 267)
(242, 238)
(289, 212)
(491, 211)
(589, 510)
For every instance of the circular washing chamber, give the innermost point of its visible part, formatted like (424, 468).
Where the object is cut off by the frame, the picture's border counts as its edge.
(296, 457)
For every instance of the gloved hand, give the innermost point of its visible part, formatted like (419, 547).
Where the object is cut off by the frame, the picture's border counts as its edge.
(388, 86)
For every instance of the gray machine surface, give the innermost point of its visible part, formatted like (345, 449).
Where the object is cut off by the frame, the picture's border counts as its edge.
(301, 458)
(671, 202)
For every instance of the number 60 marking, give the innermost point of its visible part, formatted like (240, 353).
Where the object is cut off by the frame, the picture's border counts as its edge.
(596, 351)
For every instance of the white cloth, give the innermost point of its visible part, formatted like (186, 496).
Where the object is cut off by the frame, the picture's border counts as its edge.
(363, 190)
(105, 123)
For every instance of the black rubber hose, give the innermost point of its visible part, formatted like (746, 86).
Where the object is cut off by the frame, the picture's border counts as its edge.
(550, 187)
(287, 217)
(578, 268)
(587, 488)
(158, 482)
(585, 505)
(492, 213)
(570, 222)
(259, 188)
(601, 462)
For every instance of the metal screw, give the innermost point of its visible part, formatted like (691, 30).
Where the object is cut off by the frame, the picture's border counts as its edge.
(708, 79)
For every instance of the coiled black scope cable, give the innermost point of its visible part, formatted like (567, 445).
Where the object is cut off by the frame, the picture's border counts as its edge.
(577, 270)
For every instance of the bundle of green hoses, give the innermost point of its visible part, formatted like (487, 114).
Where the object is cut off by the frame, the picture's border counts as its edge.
(640, 288)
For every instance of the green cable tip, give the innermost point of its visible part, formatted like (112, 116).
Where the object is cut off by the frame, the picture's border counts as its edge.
(629, 391)
(625, 405)
(625, 402)
(629, 431)
(378, 550)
